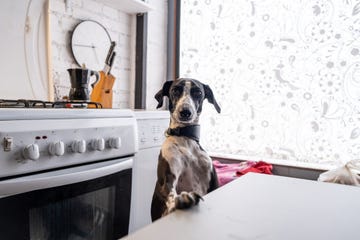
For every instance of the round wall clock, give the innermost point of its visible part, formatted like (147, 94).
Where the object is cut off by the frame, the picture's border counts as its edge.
(90, 43)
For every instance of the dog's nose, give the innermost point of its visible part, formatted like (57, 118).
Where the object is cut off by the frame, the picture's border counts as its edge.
(185, 113)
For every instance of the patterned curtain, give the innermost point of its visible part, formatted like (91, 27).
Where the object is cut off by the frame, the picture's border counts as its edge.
(286, 74)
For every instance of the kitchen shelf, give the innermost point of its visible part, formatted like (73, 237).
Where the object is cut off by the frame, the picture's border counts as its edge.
(129, 6)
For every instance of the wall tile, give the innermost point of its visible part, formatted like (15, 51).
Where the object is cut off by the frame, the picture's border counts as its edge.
(64, 20)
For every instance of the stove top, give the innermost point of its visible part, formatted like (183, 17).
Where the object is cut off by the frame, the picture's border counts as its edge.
(28, 103)
(38, 136)
(23, 109)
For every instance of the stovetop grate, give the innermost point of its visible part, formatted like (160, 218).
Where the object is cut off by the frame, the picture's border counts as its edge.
(26, 103)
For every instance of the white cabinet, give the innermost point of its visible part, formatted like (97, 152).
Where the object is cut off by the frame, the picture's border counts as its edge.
(129, 6)
(25, 69)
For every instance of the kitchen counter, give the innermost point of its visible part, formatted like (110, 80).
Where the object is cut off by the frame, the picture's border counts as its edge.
(258, 206)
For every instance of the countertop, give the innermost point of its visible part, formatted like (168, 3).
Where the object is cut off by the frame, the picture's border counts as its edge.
(258, 206)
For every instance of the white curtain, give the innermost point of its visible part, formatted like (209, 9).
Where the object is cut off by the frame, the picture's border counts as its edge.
(286, 74)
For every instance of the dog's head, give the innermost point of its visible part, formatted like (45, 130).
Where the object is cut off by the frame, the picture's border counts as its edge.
(186, 96)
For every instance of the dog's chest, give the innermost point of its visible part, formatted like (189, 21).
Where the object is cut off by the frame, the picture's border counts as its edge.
(189, 163)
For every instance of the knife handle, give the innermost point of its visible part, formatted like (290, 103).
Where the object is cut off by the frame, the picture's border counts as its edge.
(110, 52)
(112, 59)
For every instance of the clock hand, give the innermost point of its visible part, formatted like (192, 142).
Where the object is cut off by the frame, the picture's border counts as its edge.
(83, 45)
(96, 56)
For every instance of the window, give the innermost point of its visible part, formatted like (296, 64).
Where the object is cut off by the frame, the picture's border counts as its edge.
(286, 74)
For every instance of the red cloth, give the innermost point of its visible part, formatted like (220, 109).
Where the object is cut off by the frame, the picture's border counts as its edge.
(227, 172)
(257, 167)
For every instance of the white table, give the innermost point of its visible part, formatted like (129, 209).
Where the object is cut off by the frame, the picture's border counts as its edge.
(258, 206)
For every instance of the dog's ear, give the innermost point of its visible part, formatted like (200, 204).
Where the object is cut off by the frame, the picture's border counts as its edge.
(210, 97)
(162, 93)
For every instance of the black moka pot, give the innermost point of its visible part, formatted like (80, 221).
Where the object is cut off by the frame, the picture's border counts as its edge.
(80, 80)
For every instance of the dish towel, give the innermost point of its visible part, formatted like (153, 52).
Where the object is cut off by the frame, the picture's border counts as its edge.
(227, 172)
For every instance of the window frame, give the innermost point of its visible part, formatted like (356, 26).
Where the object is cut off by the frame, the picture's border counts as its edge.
(140, 60)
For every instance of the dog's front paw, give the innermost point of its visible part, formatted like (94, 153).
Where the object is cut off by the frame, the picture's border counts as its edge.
(187, 199)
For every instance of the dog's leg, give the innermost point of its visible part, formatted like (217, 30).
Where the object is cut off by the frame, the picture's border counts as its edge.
(214, 182)
(181, 201)
(187, 199)
(163, 201)
(166, 199)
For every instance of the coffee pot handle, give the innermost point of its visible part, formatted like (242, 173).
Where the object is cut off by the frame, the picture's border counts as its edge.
(97, 77)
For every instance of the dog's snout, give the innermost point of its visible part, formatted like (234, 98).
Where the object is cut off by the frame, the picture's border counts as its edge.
(185, 113)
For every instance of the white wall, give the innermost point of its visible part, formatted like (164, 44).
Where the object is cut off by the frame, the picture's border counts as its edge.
(120, 25)
(157, 47)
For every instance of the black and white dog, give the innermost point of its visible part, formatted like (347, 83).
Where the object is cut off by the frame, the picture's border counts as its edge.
(185, 172)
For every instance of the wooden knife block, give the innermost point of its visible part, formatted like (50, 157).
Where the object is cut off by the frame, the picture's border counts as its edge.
(102, 92)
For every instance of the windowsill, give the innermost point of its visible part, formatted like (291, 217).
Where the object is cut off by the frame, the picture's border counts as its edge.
(281, 162)
(287, 168)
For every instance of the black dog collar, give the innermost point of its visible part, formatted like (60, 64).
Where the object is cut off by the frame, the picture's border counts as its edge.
(191, 131)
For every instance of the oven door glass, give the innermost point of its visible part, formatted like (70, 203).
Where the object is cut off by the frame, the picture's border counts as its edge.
(97, 208)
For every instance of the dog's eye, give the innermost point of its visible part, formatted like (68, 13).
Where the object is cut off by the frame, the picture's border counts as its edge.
(196, 93)
(176, 91)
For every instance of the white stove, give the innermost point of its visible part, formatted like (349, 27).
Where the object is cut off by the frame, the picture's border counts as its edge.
(76, 163)
(40, 139)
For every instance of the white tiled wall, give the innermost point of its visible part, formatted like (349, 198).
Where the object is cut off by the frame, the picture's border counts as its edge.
(156, 59)
(65, 15)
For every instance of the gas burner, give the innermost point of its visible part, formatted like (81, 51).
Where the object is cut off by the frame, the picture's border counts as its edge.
(76, 104)
(24, 103)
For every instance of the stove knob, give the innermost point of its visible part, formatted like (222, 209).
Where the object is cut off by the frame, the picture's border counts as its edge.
(57, 148)
(31, 151)
(98, 144)
(78, 146)
(115, 142)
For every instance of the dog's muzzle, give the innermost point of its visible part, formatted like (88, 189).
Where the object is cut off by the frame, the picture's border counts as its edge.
(185, 114)
(185, 111)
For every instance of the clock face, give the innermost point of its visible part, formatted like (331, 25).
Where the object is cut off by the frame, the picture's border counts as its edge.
(90, 44)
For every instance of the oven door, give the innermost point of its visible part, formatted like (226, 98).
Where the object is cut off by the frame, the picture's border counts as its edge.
(83, 202)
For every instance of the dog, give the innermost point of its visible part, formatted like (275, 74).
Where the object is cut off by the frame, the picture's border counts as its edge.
(185, 172)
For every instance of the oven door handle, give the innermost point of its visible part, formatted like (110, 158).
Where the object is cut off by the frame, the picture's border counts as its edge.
(63, 177)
